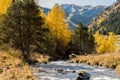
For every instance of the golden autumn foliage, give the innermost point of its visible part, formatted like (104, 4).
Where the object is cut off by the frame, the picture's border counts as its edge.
(105, 43)
(4, 4)
(57, 25)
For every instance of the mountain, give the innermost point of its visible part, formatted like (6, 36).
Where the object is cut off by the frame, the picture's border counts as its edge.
(76, 14)
(109, 20)
(85, 14)
(46, 10)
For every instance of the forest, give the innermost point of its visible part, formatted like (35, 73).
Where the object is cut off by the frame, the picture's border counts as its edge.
(28, 36)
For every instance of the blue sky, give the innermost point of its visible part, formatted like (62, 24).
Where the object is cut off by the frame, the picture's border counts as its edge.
(50, 3)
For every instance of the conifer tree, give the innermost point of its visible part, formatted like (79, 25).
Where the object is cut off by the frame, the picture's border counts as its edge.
(82, 40)
(23, 26)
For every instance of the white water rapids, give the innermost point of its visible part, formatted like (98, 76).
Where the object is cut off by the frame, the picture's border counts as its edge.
(63, 70)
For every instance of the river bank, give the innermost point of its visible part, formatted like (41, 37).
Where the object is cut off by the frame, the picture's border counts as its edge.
(108, 60)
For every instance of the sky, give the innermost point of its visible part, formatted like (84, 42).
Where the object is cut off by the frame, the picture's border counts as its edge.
(50, 3)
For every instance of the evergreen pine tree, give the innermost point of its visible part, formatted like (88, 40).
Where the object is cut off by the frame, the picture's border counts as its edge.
(82, 40)
(23, 26)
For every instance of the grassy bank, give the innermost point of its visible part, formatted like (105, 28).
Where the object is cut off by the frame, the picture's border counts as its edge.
(108, 60)
(41, 58)
(13, 67)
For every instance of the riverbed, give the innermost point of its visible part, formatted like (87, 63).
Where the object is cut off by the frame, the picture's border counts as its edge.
(64, 70)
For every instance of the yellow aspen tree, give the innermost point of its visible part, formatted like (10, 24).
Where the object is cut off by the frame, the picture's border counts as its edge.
(105, 43)
(111, 42)
(4, 4)
(58, 26)
(100, 41)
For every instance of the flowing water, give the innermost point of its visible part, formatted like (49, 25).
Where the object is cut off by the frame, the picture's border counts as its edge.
(63, 70)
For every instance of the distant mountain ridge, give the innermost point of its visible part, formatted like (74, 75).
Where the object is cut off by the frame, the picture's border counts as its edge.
(76, 14)
(111, 20)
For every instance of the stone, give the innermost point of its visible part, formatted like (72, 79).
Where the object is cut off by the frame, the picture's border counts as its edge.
(82, 75)
(68, 71)
(60, 70)
(44, 62)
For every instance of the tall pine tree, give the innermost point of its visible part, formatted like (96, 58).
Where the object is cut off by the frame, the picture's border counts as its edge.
(82, 40)
(23, 26)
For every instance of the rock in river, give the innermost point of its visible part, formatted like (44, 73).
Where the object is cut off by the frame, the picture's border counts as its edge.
(82, 75)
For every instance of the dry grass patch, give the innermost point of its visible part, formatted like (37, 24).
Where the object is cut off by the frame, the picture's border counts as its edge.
(12, 66)
(39, 57)
(108, 60)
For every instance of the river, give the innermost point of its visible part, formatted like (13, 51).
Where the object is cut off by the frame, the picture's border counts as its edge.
(64, 70)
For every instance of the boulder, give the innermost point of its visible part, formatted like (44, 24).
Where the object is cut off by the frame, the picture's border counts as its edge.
(82, 75)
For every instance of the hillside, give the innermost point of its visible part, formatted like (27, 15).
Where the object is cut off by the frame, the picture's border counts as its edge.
(107, 21)
(75, 13)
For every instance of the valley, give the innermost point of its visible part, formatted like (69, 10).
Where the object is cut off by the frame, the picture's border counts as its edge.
(59, 40)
